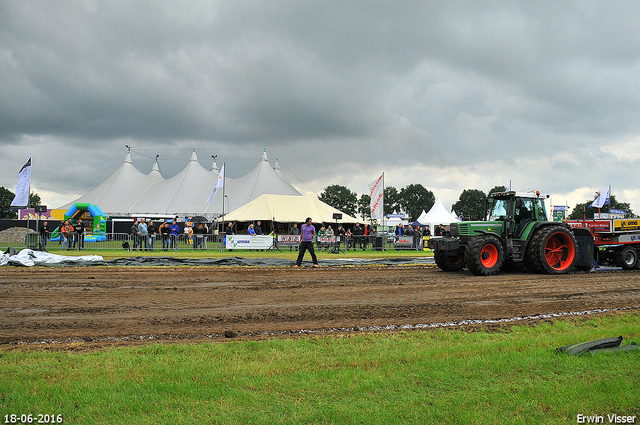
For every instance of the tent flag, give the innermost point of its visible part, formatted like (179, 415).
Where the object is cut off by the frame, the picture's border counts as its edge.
(219, 184)
(508, 187)
(603, 199)
(377, 194)
(22, 190)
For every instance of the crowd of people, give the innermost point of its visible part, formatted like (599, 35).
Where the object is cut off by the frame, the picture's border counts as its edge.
(144, 234)
(71, 235)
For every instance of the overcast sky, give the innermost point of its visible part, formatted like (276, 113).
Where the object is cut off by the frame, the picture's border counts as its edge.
(453, 95)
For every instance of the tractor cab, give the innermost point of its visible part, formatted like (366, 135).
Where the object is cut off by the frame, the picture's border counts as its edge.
(517, 210)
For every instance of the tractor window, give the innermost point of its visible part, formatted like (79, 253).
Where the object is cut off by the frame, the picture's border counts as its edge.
(541, 210)
(498, 210)
(524, 210)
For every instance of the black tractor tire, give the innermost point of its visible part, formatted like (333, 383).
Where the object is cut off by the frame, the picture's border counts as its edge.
(627, 258)
(551, 250)
(484, 255)
(448, 263)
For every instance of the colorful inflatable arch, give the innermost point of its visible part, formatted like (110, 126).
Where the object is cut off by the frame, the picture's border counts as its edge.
(99, 227)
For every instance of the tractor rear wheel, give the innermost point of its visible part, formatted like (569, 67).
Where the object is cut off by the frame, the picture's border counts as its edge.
(628, 258)
(484, 255)
(551, 250)
(448, 263)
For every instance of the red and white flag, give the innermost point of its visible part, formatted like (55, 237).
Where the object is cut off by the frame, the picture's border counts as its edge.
(377, 195)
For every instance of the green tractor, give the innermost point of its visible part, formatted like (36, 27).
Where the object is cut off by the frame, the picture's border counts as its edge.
(516, 231)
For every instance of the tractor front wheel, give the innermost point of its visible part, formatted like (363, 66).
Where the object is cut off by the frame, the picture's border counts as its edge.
(552, 250)
(484, 255)
(448, 263)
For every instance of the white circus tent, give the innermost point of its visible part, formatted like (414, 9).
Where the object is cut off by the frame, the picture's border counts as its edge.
(438, 214)
(121, 189)
(128, 192)
(263, 179)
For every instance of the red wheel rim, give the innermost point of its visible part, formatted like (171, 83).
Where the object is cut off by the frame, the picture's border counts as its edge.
(456, 260)
(559, 251)
(489, 255)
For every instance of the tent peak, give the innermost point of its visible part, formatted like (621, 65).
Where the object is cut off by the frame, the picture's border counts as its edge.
(194, 157)
(264, 155)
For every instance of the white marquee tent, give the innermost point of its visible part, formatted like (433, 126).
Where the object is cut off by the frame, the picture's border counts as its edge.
(287, 209)
(128, 192)
(121, 189)
(438, 214)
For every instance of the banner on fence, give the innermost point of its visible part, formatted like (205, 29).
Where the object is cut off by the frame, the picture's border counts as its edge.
(326, 240)
(288, 240)
(401, 241)
(249, 242)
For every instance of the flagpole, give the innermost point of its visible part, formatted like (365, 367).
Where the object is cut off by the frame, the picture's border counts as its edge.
(29, 195)
(383, 226)
(224, 186)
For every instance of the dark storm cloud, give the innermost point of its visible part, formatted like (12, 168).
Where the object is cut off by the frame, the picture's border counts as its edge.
(445, 86)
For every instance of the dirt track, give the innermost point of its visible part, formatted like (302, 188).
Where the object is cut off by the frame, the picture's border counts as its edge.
(117, 305)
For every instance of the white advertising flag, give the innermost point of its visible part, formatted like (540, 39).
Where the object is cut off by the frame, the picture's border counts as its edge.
(22, 190)
(219, 184)
(377, 196)
(602, 200)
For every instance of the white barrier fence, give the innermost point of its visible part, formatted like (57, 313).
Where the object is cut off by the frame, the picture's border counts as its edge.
(124, 241)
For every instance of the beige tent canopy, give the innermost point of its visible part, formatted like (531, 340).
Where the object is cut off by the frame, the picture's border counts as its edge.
(287, 209)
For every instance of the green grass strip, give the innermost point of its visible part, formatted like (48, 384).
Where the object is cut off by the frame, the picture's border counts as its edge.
(432, 377)
(110, 254)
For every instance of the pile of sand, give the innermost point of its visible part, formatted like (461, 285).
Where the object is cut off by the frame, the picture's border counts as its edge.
(14, 235)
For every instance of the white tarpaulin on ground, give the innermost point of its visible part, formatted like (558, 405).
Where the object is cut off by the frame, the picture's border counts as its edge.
(29, 258)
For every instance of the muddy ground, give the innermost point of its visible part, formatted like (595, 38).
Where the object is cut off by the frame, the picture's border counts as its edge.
(103, 306)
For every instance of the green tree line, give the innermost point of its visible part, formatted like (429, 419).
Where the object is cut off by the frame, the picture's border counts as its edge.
(414, 198)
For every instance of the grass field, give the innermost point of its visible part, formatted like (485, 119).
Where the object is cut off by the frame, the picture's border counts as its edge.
(449, 376)
(110, 254)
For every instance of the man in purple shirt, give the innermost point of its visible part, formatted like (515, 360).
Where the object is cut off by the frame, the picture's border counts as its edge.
(306, 242)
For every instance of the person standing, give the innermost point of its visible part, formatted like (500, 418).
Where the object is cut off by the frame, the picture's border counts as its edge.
(322, 233)
(64, 234)
(358, 235)
(306, 242)
(143, 232)
(417, 238)
(78, 229)
(340, 235)
(135, 234)
(175, 231)
(258, 228)
(72, 237)
(44, 234)
(198, 236)
(151, 228)
(296, 232)
(165, 233)
(228, 232)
